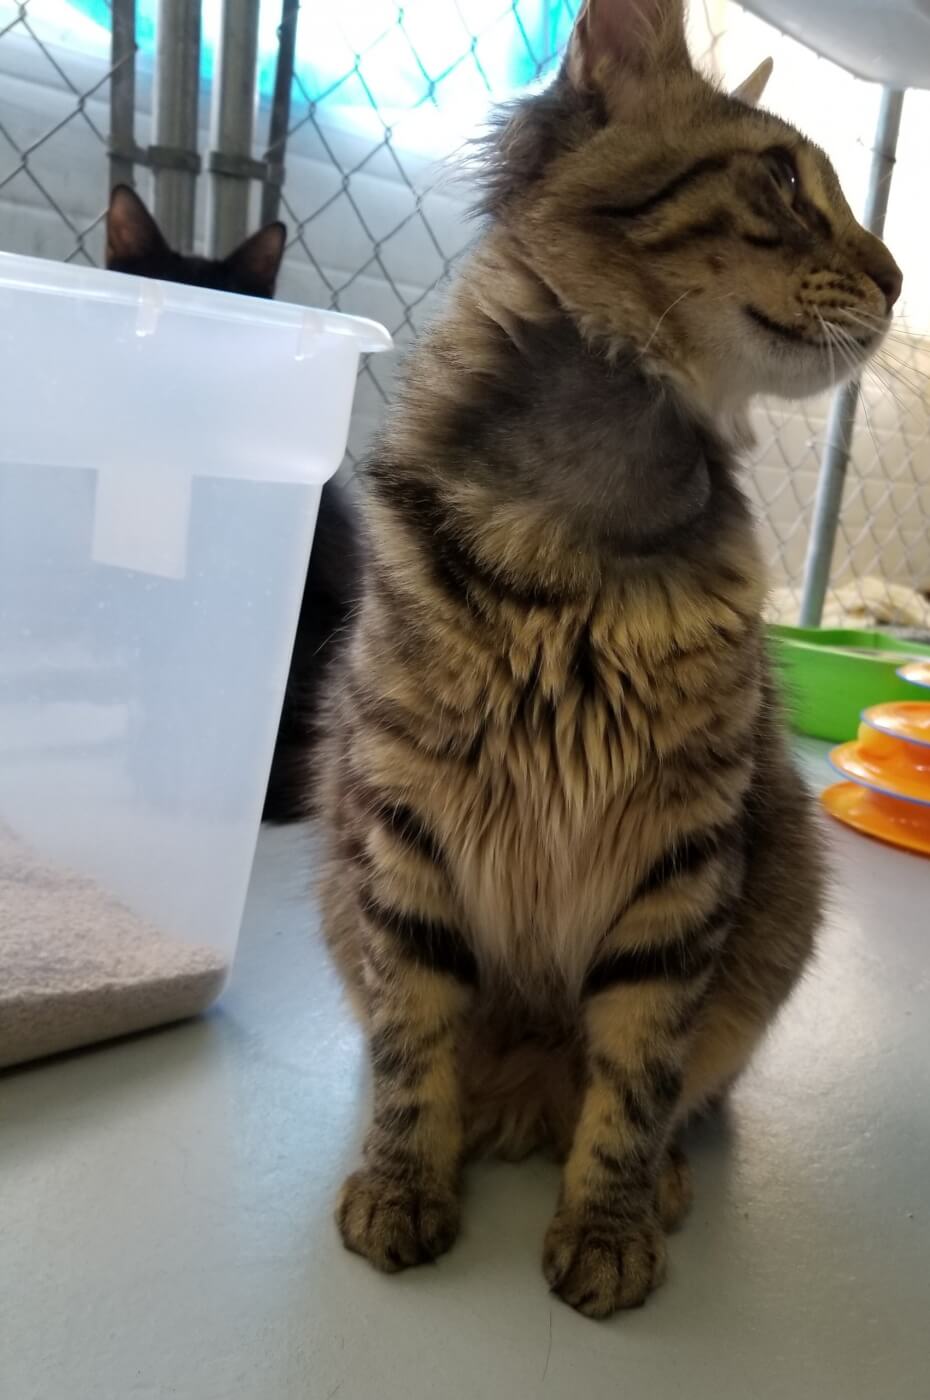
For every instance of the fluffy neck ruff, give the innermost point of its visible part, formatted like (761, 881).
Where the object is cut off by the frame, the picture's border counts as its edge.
(554, 449)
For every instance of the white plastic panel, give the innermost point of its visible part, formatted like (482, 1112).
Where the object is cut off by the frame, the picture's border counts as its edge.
(883, 41)
(161, 461)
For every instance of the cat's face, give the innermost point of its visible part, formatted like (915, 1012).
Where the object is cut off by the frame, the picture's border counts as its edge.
(135, 244)
(711, 234)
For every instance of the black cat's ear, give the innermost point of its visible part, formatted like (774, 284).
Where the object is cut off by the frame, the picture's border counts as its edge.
(255, 264)
(132, 233)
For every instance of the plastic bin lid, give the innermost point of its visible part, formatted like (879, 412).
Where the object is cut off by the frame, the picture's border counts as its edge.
(883, 41)
(151, 298)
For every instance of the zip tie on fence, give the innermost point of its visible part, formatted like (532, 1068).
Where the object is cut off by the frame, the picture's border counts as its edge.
(237, 167)
(174, 158)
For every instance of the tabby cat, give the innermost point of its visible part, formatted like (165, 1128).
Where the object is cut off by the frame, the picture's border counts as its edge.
(136, 245)
(572, 873)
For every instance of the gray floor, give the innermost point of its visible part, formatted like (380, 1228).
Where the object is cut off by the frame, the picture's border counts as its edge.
(165, 1226)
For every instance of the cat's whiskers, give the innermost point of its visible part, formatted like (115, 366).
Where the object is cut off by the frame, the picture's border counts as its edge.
(907, 374)
(856, 366)
(850, 354)
(890, 371)
(829, 344)
(886, 382)
(910, 377)
(839, 341)
(899, 327)
(878, 326)
(666, 312)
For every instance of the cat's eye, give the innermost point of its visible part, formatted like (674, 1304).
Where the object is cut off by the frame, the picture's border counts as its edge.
(784, 171)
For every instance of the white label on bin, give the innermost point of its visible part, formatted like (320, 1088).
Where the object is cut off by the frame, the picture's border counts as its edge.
(141, 519)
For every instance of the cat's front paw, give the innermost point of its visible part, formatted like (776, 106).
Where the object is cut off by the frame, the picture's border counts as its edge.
(597, 1265)
(395, 1225)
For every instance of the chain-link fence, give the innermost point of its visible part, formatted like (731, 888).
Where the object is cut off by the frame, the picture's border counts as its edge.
(54, 125)
(363, 109)
(378, 122)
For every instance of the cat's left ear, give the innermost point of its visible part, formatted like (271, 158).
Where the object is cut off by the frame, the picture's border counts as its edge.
(256, 262)
(132, 233)
(614, 38)
(751, 89)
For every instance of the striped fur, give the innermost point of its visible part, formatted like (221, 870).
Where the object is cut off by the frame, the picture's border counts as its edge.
(572, 873)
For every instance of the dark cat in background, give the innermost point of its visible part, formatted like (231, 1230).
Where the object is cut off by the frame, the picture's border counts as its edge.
(135, 244)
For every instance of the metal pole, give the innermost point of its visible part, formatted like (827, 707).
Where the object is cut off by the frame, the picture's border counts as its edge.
(280, 112)
(231, 165)
(123, 153)
(842, 420)
(177, 94)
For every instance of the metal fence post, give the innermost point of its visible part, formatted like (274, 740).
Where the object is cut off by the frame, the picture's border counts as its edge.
(230, 163)
(174, 155)
(280, 119)
(123, 151)
(842, 420)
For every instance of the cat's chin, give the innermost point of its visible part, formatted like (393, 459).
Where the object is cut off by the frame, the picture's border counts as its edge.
(802, 371)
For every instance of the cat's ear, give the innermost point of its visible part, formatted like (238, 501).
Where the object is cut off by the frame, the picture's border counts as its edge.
(751, 89)
(613, 37)
(132, 233)
(255, 264)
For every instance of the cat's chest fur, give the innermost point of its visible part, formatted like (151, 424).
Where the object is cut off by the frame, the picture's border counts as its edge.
(539, 881)
(587, 766)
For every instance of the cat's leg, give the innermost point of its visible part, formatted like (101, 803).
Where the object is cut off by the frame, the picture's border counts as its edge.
(670, 1021)
(605, 1249)
(772, 936)
(402, 1206)
(770, 941)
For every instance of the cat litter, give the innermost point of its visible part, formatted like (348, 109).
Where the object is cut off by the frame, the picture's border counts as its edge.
(163, 452)
(76, 966)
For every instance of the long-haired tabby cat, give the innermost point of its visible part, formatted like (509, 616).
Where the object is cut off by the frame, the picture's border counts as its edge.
(572, 873)
(135, 244)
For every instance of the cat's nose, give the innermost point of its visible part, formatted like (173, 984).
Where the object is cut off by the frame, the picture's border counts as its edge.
(884, 272)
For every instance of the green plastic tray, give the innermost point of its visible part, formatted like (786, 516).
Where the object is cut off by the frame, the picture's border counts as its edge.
(830, 676)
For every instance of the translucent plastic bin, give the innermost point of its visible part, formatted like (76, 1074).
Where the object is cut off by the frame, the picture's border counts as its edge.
(161, 459)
